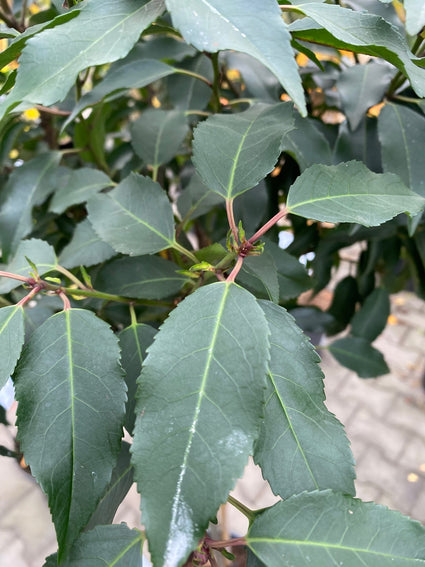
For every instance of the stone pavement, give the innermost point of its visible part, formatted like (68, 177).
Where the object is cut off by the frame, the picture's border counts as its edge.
(384, 419)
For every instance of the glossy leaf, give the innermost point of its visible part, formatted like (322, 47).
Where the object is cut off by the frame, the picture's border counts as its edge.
(206, 366)
(363, 33)
(232, 153)
(158, 134)
(359, 355)
(47, 78)
(105, 546)
(402, 134)
(361, 87)
(302, 446)
(324, 528)
(415, 16)
(147, 277)
(82, 184)
(343, 306)
(85, 248)
(218, 25)
(65, 388)
(119, 485)
(135, 218)
(28, 185)
(39, 252)
(11, 340)
(134, 341)
(349, 192)
(371, 319)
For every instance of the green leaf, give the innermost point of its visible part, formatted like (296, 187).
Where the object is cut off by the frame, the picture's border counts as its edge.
(105, 546)
(135, 218)
(302, 446)
(134, 341)
(362, 86)
(362, 33)
(120, 483)
(359, 355)
(217, 25)
(343, 306)
(251, 207)
(11, 340)
(71, 408)
(85, 248)
(349, 192)
(232, 153)
(47, 71)
(82, 184)
(199, 410)
(146, 277)
(196, 199)
(361, 145)
(6, 32)
(131, 74)
(259, 274)
(29, 185)
(371, 319)
(402, 134)
(39, 252)
(185, 92)
(158, 134)
(324, 528)
(415, 16)
(306, 144)
(259, 82)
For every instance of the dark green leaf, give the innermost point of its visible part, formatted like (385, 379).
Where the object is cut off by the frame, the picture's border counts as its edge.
(402, 135)
(306, 144)
(343, 306)
(324, 528)
(6, 32)
(199, 408)
(232, 153)
(302, 446)
(371, 319)
(415, 16)
(361, 145)
(363, 33)
(85, 248)
(70, 413)
(11, 340)
(218, 25)
(135, 218)
(251, 207)
(121, 481)
(158, 134)
(258, 81)
(186, 93)
(28, 185)
(349, 192)
(105, 546)
(134, 341)
(146, 277)
(259, 274)
(362, 86)
(311, 319)
(39, 252)
(196, 199)
(47, 71)
(359, 355)
(82, 184)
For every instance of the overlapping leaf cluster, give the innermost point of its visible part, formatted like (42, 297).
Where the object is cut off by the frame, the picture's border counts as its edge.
(140, 292)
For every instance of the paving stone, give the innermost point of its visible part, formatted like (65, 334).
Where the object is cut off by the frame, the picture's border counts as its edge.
(413, 457)
(407, 415)
(367, 491)
(367, 393)
(418, 510)
(13, 554)
(415, 340)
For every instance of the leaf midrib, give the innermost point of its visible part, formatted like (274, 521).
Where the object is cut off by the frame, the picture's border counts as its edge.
(72, 407)
(349, 196)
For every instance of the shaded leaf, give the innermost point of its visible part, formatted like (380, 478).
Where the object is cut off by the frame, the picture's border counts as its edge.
(359, 355)
(343, 306)
(39, 252)
(259, 274)
(362, 86)
(28, 185)
(251, 207)
(361, 145)
(232, 153)
(218, 25)
(371, 319)
(134, 341)
(135, 218)
(349, 192)
(306, 144)
(157, 135)
(11, 340)
(324, 528)
(301, 446)
(196, 199)
(119, 485)
(82, 184)
(147, 277)
(85, 248)
(205, 367)
(186, 92)
(415, 16)
(70, 413)
(47, 71)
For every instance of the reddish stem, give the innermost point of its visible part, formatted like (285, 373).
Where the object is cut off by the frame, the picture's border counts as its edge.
(14, 277)
(213, 544)
(30, 295)
(231, 219)
(236, 269)
(66, 302)
(280, 215)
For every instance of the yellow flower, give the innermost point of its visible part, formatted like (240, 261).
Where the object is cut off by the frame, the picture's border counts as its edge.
(31, 114)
